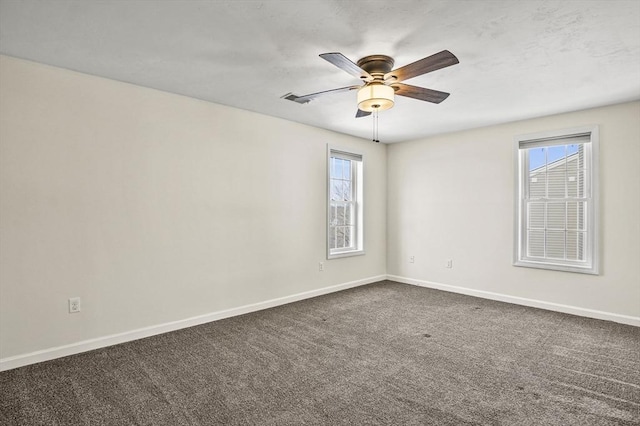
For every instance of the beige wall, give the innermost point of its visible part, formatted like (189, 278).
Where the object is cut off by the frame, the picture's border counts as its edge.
(154, 207)
(451, 197)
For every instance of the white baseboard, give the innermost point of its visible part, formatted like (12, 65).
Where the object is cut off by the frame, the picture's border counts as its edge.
(567, 309)
(114, 339)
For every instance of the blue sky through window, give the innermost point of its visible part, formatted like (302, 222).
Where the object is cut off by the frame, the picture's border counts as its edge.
(538, 156)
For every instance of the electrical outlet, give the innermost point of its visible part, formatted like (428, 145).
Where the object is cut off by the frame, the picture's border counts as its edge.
(320, 266)
(74, 305)
(449, 263)
(412, 259)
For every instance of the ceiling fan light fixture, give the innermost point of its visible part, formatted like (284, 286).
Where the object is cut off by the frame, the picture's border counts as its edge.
(375, 97)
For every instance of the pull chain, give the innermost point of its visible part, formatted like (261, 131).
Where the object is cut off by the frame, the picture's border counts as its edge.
(375, 126)
(373, 118)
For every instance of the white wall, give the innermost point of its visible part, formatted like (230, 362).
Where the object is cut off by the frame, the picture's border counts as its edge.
(451, 197)
(154, 207)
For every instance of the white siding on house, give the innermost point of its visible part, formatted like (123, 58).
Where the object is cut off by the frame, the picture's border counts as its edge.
(556, 229)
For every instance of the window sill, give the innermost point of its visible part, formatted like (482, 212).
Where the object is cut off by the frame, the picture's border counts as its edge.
(591, 270)
(345, 254)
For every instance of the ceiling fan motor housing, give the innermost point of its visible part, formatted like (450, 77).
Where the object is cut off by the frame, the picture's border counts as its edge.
(376, 65)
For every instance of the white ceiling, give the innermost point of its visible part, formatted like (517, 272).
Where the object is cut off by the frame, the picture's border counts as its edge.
(518, 59)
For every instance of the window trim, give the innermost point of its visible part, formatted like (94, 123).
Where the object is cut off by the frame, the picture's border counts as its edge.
(359, 181)
(593, 227)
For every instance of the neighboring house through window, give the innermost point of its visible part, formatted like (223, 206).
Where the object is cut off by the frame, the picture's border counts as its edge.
(556, 196)
(345, 180)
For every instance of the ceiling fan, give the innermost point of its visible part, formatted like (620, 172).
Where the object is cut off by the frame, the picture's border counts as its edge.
(381, 83)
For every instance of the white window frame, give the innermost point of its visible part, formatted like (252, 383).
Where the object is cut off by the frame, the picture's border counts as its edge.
(558, 137)
(358, 188)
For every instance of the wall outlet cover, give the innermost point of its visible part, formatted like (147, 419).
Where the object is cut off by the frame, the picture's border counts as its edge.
(74, 305)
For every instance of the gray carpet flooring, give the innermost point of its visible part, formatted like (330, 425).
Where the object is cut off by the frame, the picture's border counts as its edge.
(381, 354)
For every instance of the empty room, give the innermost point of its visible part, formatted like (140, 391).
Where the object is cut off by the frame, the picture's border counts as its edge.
(323, 212)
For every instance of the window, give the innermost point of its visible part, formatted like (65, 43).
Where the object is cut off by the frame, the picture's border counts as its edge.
(557, 200)
(344, 228)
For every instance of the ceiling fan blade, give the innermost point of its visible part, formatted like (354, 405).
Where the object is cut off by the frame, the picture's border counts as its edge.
(362, 113)
(420, 93)
(345, 64)
(431, 63)
(306, 98)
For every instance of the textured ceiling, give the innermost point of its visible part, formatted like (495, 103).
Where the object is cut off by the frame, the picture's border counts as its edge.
(518, 59)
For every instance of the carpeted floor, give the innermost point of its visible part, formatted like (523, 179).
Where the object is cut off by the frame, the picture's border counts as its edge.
(382, 354)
